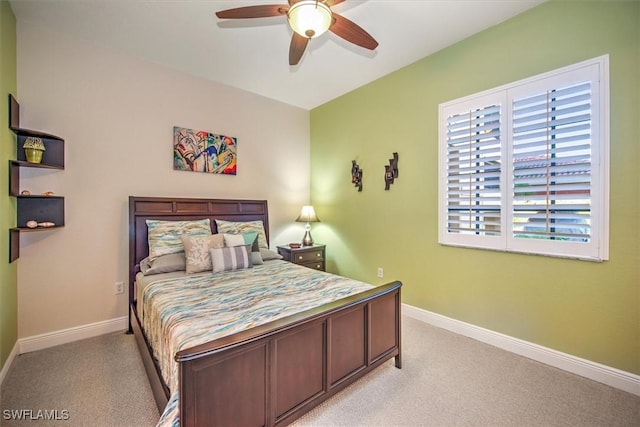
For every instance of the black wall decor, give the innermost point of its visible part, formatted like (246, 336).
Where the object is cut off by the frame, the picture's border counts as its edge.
(356, 175)
(391, 171)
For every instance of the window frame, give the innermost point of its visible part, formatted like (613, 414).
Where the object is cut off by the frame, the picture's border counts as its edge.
(597, 248)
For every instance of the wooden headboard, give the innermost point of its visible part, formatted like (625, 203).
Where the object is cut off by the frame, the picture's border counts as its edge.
(179, 209)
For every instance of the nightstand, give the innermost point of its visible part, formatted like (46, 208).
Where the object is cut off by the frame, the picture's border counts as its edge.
(309, 256)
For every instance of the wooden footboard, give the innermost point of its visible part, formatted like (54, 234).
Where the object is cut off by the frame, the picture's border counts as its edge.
(272, 374)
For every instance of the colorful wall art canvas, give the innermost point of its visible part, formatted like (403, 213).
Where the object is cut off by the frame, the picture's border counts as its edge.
(202, 151)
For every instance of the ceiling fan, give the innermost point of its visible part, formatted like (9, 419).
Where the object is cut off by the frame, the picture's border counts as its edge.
(308, 19)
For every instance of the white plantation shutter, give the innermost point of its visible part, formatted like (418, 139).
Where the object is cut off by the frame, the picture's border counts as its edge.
(473, 175)
(524, 167)
(551, 157)
(473, 171)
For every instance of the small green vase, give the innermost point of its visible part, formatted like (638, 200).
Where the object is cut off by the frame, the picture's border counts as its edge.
(33, 155)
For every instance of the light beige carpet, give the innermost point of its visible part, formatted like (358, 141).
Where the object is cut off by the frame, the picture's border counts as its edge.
(446, 380)
(99, 381)
(451, 380)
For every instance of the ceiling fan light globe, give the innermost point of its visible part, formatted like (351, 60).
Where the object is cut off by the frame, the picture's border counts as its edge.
(309, 18)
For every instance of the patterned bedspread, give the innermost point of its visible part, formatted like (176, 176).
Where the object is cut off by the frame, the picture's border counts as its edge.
(184, 312)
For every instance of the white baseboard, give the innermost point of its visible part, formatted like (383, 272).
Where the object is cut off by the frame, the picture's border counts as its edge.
(38, 342)
(8, 363)
(595, 371)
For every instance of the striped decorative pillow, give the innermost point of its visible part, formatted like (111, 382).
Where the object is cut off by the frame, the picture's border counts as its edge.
(231, 258)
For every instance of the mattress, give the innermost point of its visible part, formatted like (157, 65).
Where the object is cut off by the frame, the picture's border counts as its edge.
(143, 281)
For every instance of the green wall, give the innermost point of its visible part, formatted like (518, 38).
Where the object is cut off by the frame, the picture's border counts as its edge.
(8, 276)
(587, 309)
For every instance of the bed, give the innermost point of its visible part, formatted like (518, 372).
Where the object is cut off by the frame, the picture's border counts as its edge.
(273, 370)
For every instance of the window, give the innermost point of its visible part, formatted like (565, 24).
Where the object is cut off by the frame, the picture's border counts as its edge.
(524, 167)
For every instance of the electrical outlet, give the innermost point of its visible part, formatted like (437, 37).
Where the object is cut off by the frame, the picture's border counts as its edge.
(119, 288)
(380, 272)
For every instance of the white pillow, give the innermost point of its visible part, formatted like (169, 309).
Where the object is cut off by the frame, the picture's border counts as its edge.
(233, 240)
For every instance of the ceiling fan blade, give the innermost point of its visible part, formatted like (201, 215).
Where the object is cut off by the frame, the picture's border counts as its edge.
(352, 32)
(298, 45)
(260, 11)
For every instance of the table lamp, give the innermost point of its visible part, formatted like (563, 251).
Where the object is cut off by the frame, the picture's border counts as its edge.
(307, 214)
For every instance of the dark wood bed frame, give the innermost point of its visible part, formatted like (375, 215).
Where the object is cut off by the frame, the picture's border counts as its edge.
(272, 374)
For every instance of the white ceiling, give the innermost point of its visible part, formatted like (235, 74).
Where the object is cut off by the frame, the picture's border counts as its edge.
(252, 54)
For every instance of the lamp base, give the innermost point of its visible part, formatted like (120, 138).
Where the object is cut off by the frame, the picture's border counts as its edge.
(307, 240)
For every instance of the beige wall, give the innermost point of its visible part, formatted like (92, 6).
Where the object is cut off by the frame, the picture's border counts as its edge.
(117, 115)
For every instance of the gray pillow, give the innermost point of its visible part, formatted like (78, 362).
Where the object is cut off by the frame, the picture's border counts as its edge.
(268, 254)
(256, 258)
(163, 264)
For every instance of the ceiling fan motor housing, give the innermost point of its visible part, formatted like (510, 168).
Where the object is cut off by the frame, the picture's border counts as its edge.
(309, 18)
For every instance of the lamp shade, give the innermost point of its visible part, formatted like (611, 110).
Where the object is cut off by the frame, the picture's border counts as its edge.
(309, 18)
(307, 214)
